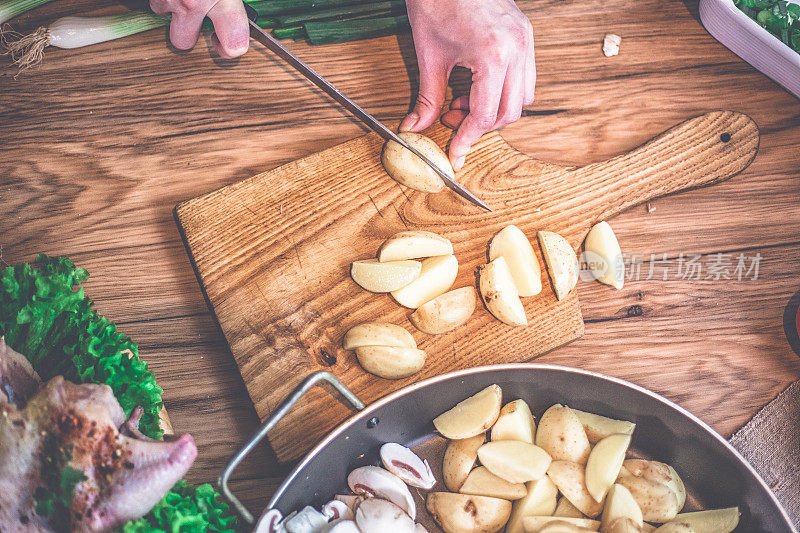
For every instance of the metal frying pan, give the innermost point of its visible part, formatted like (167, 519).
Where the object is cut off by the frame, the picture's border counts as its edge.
(714, 472)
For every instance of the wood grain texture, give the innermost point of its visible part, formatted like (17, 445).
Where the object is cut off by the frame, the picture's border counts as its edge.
(98, 145)
(273, 253)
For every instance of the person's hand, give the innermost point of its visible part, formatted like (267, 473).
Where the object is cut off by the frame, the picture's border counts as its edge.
(493, 39)
(231, 29)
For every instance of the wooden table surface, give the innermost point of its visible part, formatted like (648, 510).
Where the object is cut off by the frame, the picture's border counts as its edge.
(98, 145)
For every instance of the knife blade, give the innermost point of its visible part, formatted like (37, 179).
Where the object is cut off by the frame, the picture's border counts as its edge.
(374, 124)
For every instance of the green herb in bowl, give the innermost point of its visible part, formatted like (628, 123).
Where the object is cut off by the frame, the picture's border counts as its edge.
(779, 17)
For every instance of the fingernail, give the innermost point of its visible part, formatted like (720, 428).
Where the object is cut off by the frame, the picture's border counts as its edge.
(409, 122)
(459, 163)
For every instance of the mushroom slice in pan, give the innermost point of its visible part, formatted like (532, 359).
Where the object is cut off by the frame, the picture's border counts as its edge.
(406, 465)
(375, 482)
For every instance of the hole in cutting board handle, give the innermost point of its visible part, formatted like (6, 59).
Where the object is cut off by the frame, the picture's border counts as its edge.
(725, 137)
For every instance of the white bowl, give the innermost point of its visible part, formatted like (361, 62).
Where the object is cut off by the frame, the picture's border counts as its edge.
(745, 38)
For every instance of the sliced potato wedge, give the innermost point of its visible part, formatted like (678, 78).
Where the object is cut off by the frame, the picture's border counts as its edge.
(622, 524)
(603, 255)
(375, 276)
(655, 486)
(620, 504)
(459, 458)
(539, 501)
(481, 482)
(675, 527)
(570, 478)
(446, 312)
(464, 513)
(565, 508)
(500, 294)
(563, 527)
(390, 362)
(511, 243)
(514, 461)
(515, 423)
(561, 435)
(711, 521)
(377, 334)
(414, 245)
(562, 263)
(535, 524)
(598, 427)
(408, 169)
(436, 277)
(472, 416)
(604, 463)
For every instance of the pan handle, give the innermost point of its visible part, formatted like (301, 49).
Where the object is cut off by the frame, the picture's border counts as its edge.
(350, 399)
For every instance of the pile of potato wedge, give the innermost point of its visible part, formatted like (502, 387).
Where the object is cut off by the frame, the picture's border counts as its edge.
(418, 269)
(569, 473)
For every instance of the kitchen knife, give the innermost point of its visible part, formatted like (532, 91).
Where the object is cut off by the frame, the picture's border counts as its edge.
(371, 122)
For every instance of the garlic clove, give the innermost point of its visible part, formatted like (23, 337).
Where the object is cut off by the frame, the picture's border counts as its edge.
(308, 520)
(405, 464)
(375, 482)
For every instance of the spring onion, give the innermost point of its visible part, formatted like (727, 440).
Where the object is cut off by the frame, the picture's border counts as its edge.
(325, 32)
(399, 6)
(269, 8)
(11, 8)
(290, 32)
(75, 32)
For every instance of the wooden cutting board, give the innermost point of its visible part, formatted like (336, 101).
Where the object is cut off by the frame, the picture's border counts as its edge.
(273, 253)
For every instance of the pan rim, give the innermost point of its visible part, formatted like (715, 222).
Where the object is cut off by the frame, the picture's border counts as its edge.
(377, 404)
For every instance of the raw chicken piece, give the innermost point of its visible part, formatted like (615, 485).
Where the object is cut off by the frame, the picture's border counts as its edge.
(18, 380)
(77, 426)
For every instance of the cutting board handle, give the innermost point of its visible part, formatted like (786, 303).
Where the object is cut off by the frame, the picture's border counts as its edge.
(699, 152)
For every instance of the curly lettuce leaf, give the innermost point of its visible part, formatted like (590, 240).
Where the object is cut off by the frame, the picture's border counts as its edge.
(45, 316)
(186, 509)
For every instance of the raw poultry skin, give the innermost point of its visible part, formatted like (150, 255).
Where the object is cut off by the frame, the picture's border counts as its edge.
(76, 426)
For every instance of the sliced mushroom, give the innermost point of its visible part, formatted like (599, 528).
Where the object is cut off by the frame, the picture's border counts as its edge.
(336, 509)
(268, 523)
(375, 482)
(349, 500)
(381, 516)
(406, 465)
(342, 526)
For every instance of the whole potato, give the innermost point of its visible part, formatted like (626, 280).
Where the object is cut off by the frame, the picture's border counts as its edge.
(561, 434)
(655, 486)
